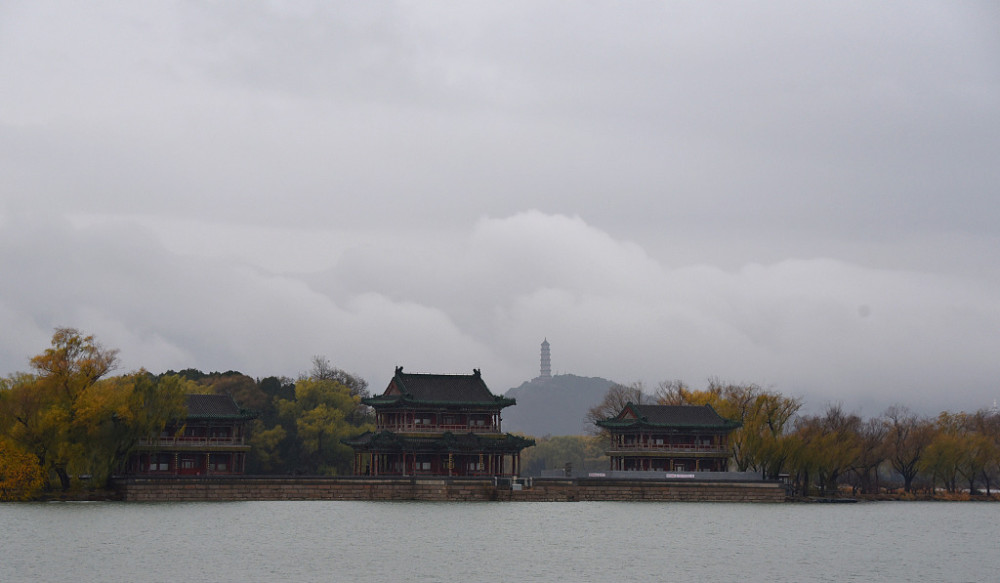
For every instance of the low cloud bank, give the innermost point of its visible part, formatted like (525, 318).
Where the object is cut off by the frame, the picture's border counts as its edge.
(823, 329)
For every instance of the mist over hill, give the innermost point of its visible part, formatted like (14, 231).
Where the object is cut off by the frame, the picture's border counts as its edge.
(553, 405)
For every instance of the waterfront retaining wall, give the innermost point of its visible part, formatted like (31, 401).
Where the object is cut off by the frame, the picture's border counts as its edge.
(220, 489)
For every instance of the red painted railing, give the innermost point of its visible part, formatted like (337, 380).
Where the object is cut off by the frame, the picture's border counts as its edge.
(193, 441)
(669, 447)
(422, 428)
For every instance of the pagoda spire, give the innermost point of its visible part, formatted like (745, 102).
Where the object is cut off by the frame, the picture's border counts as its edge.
(546, 372)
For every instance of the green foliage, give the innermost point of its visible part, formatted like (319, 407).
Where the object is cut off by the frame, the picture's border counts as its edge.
(113, 415)
(243, 389)
(72, 421)
(963, 447)
(320, 414)
(907, 438)
(20, 475)
(302, 425)
(299, 424)
(322, 370)
(583, 453)
(761, 442)
(825, 447)
(68, 417)
(265, 443)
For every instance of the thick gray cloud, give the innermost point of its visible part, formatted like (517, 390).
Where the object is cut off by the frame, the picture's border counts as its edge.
(800, 196)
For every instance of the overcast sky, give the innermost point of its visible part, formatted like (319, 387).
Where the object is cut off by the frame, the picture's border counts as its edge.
(800, 195)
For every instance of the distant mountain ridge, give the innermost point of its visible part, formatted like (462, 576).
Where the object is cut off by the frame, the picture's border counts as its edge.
(553, 405)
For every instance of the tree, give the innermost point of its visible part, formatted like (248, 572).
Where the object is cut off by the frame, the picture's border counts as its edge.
(113, 415)
(767, 427)
(760, 443)
(579, 452)
(734, 402)
(907, 439)
(73, 362)
(872, 453)
(961, 449)
(614, 401)
(266, 447)
(20, 474)
(978, 452)
(320, 416)
(943, 454)
(322, 370)
(26, 420)
(243, 389)
(72, 420)
(825, 447)
(65, 370)
(987, 424)
(804, 444)
(672, 393)
(842, 431)
(357, 386)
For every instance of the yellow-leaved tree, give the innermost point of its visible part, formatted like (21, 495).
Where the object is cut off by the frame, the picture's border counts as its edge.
(20, 475)
(72, 420)
(317, 419)
(762, 441)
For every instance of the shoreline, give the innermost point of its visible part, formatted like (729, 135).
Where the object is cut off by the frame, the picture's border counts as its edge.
(443, 489)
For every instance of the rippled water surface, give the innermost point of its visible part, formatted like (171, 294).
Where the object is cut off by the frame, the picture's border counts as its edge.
(499, 542)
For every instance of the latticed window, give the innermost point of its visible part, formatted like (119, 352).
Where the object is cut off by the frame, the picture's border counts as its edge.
(159, 463)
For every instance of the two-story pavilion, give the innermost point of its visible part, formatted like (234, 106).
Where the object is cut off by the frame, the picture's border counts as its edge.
(437, 424)
(669, 438)
(213, 439)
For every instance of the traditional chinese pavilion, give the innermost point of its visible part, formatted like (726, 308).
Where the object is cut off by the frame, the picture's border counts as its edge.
(212, 440)
(669, 438)
(439, 425)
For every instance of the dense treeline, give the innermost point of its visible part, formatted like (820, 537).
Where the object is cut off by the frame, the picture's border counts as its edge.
(69, 420)
(826, 452)
(300, 423)
(576, 453)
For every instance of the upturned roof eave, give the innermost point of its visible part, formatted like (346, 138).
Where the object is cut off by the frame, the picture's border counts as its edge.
(407, 400)
(649, 424)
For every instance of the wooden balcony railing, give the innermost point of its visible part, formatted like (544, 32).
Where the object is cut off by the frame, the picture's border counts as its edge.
(670, 447)
(422, 428)
(191, 441)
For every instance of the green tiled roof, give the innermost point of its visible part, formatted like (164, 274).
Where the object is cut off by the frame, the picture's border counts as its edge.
(437, 389)
(669, 416)
(214, 407)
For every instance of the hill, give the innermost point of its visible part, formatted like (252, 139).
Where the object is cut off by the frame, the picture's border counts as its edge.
(554, 405)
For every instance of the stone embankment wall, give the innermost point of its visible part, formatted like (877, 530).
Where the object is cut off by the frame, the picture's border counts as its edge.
(629, 491)
(439, 489)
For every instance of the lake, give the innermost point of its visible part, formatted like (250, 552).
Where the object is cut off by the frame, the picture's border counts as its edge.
(93, 542)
